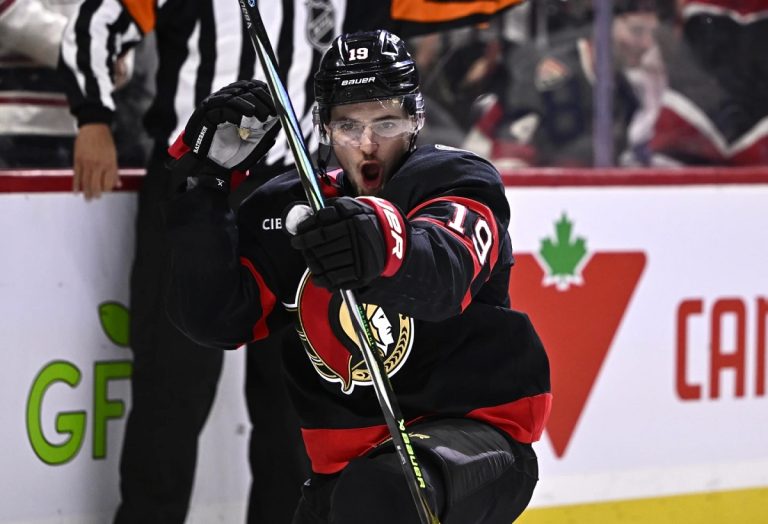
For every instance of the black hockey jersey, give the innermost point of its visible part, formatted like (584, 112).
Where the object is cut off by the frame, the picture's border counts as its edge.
(450, 343)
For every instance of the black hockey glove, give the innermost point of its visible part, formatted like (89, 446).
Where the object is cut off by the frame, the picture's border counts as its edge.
(230, 131)
(350, 242)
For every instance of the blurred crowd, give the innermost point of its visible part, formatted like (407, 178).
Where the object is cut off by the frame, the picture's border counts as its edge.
(689, 85)
(686, 84)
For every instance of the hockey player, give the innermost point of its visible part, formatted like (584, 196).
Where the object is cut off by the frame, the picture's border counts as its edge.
(420, 235)
(202, 45)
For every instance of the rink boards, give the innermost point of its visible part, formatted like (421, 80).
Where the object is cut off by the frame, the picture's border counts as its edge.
(657, 338)
(658, 354)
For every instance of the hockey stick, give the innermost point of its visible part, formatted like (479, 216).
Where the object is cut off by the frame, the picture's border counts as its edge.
(307, 174)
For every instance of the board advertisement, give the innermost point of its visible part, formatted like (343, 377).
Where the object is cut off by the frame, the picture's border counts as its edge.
(652, 301)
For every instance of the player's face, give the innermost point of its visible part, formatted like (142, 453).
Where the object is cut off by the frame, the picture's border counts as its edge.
(633, 36)
(369, 140)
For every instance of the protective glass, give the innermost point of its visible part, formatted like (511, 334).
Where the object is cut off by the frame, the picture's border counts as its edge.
(350, 132)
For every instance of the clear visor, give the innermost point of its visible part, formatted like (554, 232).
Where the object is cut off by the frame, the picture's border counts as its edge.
(374, 121)
(348, 132)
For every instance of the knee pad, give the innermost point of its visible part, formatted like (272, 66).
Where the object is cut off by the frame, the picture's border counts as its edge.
(373, 489)
(470, 454)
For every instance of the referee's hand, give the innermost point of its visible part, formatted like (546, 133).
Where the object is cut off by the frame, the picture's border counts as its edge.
(95, 159)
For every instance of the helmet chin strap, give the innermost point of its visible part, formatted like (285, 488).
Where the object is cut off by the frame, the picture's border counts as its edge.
(412, 142)
(322, 162)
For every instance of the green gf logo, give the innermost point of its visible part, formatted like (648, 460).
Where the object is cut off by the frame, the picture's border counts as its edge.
(114, 318)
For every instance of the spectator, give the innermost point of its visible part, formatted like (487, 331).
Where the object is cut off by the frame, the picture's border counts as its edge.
(464, 72)
(547, 115)
(715, 110)
(649, 81)
(202, 46)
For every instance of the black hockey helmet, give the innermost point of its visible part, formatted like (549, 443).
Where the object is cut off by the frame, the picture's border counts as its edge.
(363, 67)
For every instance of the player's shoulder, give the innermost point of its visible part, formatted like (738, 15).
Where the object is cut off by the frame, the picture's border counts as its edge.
(437, 171)
(440, 152)
(449, 165)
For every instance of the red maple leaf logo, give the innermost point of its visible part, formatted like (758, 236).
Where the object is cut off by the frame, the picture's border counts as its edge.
(576, 304)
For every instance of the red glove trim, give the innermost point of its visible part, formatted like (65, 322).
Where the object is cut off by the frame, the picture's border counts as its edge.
(237, 178)
(178, 149)
(330, 186)
(393, 227)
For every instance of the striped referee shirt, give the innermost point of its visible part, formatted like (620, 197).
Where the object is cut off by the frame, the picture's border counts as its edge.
(202, 45)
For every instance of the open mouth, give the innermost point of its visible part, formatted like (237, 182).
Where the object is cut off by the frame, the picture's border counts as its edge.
(371, 172)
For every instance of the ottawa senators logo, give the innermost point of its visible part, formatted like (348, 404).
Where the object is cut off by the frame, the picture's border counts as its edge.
(326, 330)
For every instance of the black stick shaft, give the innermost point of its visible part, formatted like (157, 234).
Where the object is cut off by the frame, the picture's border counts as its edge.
(373, 360)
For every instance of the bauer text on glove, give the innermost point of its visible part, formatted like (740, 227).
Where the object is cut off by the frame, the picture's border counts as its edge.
(233, 127)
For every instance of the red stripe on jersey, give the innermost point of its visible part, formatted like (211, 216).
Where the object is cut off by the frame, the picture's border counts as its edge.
(393, 228)
(481, 209)
(523, 419)
(178, 149)
(468, 240)
(485, 212)
(330, 450)
(267, 299)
